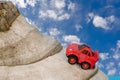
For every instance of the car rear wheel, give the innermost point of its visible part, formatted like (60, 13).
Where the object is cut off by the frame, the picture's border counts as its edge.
(85, 65)
(72, 59)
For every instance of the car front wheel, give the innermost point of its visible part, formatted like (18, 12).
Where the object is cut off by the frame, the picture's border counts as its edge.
(72, 59)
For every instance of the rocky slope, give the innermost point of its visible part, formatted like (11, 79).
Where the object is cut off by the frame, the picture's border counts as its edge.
(27, 54)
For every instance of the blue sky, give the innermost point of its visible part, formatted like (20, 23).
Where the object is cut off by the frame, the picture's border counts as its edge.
(94, 22)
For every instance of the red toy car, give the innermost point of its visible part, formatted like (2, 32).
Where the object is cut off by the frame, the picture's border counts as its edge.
(81, 54)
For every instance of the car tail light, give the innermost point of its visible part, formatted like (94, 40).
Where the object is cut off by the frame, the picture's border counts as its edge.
(96, 55)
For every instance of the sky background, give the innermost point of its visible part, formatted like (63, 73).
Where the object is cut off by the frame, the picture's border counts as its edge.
(93, 22)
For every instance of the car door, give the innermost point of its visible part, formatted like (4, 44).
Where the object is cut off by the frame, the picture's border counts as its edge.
(85, 55)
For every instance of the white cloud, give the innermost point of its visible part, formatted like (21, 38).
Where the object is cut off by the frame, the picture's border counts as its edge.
(116, 56)
(90, 16)
(53, 9)
(24, 3)
(104, 56)
(110, 18)
(104, 23)
(71, 38)
(59, 4)
(20, 3)
(54, 31)
(112, 71)
(53, 15)
(116, 51)
(48, 13)
(118, 43)
(31, 2)
(100, 65)
(110, 65)
(71, 6)
(100, 22)
(78, 27)
(64, 16)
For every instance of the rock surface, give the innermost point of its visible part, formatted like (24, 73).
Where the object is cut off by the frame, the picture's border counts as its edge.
(24, 44)
(26, 54)
(8, 13)
(54, 67)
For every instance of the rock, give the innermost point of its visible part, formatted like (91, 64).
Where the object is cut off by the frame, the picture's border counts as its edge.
(99, 75)
(27, 54)
(8, 13)
(24, 44)
(54, 67)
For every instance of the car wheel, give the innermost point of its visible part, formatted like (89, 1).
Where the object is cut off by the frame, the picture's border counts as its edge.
(85, 65)
(72, 59)
(94, 67)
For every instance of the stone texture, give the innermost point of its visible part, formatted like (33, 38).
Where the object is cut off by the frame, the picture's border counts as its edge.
(99, 76)
(52, 68)
(27, 54)
(8, 13)
(24, 44)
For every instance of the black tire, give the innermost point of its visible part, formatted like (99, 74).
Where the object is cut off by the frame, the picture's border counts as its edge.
(94, 67)
(85, 65)
(72, 59)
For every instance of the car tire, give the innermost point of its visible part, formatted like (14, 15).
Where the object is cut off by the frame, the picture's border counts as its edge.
(94, 67)
(72, 59)
(85, 65)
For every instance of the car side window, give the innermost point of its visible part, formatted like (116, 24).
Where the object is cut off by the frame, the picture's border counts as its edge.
(86, 52)
(93, 54)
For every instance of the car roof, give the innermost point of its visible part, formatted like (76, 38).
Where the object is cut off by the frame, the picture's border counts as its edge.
(83, 46)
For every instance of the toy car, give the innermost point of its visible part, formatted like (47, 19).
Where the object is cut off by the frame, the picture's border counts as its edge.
(82, 54)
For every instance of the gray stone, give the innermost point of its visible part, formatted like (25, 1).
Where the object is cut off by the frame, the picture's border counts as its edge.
(24, 44)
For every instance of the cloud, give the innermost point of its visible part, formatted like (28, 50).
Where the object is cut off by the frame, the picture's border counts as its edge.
(112, 71)
(71, 6)
(111, 65)
(100, 65)
(90, 16)
(53, 15)
(116, 56)
(54, 9)
(24, 3)
(48, 13)
(20, 3)
(118, 43)
(57, 10)
(104, 56)
(71, 38)
(78, 27)
(59, 4)
(100, 22)
(31, 2)
(54, 32)
(105, 23)
(116, 51)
